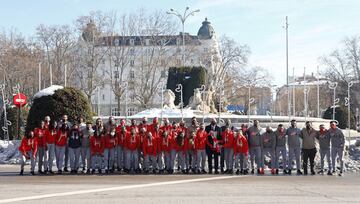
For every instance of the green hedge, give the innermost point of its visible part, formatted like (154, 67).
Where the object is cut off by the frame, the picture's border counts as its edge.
(68, 101)
(190, 78)
(341, 115)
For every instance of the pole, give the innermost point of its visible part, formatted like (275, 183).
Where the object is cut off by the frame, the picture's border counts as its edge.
(179, 89)
(183, 18)
(183, 39)
(162, 101)
(65, 80)
(98, 101)
(220, 98)
(333, 85)
(349, 122)
(287, 66)
(202, 90)
(39, 76)
(305, 95)
(293, 90)
(5, 128)
(126, 102)
(51, 81)
(333, 117)
(318, 93)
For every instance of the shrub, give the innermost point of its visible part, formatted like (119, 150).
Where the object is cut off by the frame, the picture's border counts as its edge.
(68, 101)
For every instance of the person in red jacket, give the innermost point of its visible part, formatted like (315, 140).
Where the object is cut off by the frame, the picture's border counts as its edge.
(190, 154)
(60, 145)
(200, 143)
(241, 149)
(167, 126)
(213, 151)
(132, 126)
(42, 148)
(121, 133)
(97, 146)
(156, 132)
(28, 149)
(178, 151)
(228, 144)
(142, 136)
(109, 153)
(165, 149)
(50, 135)
(150, 151)
(132, 144)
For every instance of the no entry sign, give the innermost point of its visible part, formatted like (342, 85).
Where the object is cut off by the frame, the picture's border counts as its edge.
(20, 100)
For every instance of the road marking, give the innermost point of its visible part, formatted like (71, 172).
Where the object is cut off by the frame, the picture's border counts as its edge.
(50, 195)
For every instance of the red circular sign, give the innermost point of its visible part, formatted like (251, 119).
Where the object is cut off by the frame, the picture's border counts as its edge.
(20, 100)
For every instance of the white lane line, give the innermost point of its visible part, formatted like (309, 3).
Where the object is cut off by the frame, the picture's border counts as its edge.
(50, 195)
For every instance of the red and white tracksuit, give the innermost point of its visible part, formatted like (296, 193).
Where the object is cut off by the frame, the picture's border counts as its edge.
(28, 149)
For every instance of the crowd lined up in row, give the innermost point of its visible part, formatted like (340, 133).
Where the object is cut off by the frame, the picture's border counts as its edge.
(168, 147)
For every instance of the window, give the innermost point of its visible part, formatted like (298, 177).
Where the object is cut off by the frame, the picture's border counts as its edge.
(132, 42)
(205, 49)
(132, 63)
(115, 111)
(116, 41)
(178, 41)
(147, 42)
(103, 86)
(103, 72)
(116, 74)
(132, 51)
(163, 74)
(103, 97)
(132, 98)
(131, 111)
(192, 61)
(132, 74)
(163, 41)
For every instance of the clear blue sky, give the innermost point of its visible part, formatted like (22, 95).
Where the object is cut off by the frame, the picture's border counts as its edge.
(316, 26)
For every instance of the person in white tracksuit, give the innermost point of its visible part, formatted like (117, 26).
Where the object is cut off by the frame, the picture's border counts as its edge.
(87, 132)
(337, 139)
(50, 142)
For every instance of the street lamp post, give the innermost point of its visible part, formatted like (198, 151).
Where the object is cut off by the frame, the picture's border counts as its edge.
(7, 123)
(162, 100)
(318, 92)
(39, 76)
(179, 89)
(306, 92)
(347, 103)
(251, 100)
(126, 99)
(333, 86)
(202, 91)
(183, 18)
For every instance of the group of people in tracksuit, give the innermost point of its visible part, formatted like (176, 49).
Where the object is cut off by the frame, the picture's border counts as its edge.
(293, 144)
(174, 147)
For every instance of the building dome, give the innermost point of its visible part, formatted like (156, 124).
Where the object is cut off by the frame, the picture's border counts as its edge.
(206, 31)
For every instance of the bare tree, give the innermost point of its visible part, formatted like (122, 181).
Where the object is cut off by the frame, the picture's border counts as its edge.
(58, 41)
(342, 66)
(156, 29)
(92, 49)
(19, 59)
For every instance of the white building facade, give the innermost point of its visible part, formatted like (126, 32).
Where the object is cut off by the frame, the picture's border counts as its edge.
(135, 68)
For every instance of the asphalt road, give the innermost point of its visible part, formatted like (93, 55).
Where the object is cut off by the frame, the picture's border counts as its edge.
(176, 188)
